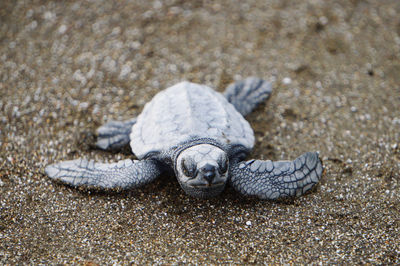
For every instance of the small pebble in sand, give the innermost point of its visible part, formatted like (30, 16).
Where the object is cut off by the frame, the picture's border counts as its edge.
(287, 80)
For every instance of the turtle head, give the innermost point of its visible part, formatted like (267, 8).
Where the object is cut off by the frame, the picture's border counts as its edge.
(202, 170)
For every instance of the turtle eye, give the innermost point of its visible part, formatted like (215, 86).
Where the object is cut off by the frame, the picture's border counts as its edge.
(187, 170)
(224, 166)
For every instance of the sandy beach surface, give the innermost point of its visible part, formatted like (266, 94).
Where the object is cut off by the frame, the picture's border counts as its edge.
(66, 67)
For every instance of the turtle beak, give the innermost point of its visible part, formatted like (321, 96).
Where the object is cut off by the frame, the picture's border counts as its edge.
(208, 176)
(208, 171)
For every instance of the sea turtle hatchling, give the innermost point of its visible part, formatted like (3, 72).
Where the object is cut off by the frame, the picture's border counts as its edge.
(203, 137)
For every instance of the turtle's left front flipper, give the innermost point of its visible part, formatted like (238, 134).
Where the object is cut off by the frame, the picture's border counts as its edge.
(124, 174)
(274, 180)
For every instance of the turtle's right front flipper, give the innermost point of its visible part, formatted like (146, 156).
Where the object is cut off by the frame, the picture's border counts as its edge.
(114, 135)
(121, 175)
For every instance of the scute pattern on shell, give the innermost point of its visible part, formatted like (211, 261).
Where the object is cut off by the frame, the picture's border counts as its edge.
(184, 112)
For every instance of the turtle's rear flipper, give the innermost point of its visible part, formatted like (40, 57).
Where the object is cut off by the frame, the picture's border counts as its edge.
(121, 175)
(114, 135)
(275, 180)
(246, 94)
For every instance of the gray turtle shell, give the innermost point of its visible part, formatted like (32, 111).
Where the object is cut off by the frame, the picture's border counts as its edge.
(186, 112)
